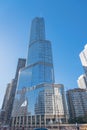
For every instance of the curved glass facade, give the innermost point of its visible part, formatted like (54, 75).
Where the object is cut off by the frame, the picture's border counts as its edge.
(36, 100)
(30, 98)
(35, 95)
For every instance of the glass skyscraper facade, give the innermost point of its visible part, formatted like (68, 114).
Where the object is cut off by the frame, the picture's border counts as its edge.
(35, 96)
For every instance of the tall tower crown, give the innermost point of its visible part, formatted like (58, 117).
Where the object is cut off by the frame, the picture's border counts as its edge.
(37, 29)
(39, 59)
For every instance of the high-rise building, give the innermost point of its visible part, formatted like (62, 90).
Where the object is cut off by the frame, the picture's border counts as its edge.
(6, 97)
(37, 96)
(20, 65)
(4, 105)
(82, 81)
(9, 103)
(83, 57)
(2, 114)
(10, 94)
(77, 102)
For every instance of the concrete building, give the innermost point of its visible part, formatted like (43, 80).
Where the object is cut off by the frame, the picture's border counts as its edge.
(2, 114)
(60, 106)
(9, 103)
(77, 102)
(37, 96)
(82, 81)
(10, 94)
(83, 58)
(21, 64)
(7, 96)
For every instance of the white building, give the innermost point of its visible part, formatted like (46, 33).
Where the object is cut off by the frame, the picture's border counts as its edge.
(83, 58)
(82, 81)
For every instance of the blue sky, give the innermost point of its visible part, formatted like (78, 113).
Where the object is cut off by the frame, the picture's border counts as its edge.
(66, 28)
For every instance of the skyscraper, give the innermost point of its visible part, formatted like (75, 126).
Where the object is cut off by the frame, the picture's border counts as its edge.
(21, 64)
(7, 96)
(82, 81)
(35, 98)
(83, 57)
(10, 94)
